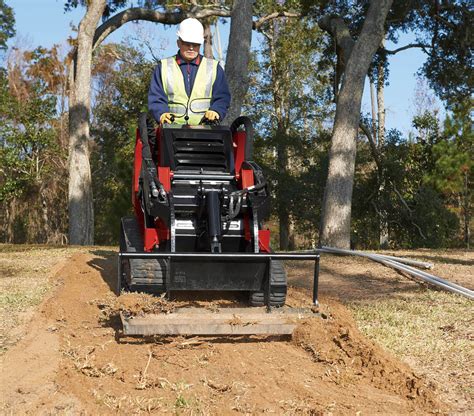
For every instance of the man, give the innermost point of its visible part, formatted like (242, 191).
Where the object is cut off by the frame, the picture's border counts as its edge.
(188, 85)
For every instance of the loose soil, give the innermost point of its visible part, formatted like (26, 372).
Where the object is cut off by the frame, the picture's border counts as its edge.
(74, 360)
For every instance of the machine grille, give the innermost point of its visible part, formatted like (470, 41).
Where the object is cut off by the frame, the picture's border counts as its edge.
(196, 154)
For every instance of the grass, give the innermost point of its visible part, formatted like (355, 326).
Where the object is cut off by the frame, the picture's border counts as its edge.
(430, 330)
(24, 281)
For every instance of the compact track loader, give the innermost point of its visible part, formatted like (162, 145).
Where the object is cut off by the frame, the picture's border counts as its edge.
(199, 201)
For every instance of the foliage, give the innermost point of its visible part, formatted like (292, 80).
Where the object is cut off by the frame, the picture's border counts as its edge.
(452, 174)
(427, 176)
(289, 104)
(7, 24)
(32, 156)
(114, 6)
(122, 77)
(443, 31)
(455, 154)
(420, 213)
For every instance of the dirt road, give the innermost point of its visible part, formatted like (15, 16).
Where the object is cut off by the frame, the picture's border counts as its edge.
(74, 361)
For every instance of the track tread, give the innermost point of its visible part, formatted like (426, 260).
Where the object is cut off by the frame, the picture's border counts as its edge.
(144, 274)
(278, 287)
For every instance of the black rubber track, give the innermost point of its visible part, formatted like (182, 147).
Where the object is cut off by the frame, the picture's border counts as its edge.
(278, 288)
(145, 275)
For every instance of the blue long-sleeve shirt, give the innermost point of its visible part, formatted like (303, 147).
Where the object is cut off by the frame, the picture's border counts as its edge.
(158, 100)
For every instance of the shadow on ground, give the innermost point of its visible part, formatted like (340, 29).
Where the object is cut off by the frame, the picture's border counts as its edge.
(354, 282)
(106, 263)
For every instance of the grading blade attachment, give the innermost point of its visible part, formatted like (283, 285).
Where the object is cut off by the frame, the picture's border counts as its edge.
(225, 321)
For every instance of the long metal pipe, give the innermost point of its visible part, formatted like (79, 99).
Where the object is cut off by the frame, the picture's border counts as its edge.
(388, 262)
(411, 262)
(437, 281)
(216, 256)
(397, 259)
(453, 287)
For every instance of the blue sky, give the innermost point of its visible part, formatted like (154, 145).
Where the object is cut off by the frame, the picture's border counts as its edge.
(44, 22)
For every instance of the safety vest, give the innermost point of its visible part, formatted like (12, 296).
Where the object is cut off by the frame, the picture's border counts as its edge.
(178, 101)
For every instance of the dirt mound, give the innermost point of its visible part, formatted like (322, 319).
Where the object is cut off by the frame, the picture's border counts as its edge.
(335, 341)
(134, 304)
(327, 368)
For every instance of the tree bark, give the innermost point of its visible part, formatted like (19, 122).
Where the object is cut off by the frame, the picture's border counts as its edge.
(281, 109)
(208, 41)
(467, 210)
(336, 215)
(372, 103)
(383, 220)
(238, 55)
(381, 106)
(283, 211)
(81, 209)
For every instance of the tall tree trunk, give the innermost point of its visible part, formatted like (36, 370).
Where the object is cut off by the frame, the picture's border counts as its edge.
(383, 221)
(218, 43)
(381, 106)
(208, 41)
(81, 210)
(238, 55)
(280, 102)
(336, 215)
(467, 210)
(372, 104)
(46, 232)
(10, 218)
(283, 211)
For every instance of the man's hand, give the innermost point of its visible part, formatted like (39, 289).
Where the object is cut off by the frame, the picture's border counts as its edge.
(211, 115)
(166, 118)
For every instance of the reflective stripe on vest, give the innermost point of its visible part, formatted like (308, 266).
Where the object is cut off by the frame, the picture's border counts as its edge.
(201, 94)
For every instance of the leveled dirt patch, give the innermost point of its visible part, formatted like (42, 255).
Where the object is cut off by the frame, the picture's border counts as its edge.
(86, 366)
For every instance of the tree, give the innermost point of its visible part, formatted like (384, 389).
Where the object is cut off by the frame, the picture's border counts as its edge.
(442, 30)
(81, 214)
(453, 168)
(32, 155)
(336, 216)
(121, 76)
(7, 24)
(237, 63)
(289, 103)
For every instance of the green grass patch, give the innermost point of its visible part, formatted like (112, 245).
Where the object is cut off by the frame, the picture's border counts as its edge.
(19, 300)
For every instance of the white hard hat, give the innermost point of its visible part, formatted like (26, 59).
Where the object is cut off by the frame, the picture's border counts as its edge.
(191, 30)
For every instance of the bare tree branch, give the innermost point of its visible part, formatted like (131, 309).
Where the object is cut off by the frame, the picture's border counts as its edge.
(409, 46)
(339, 30)
(172, 18)
(258, 23)
(373, 147)
(169, 18)
(266, 34)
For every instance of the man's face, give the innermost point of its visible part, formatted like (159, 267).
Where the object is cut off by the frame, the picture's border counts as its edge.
(188, 50)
